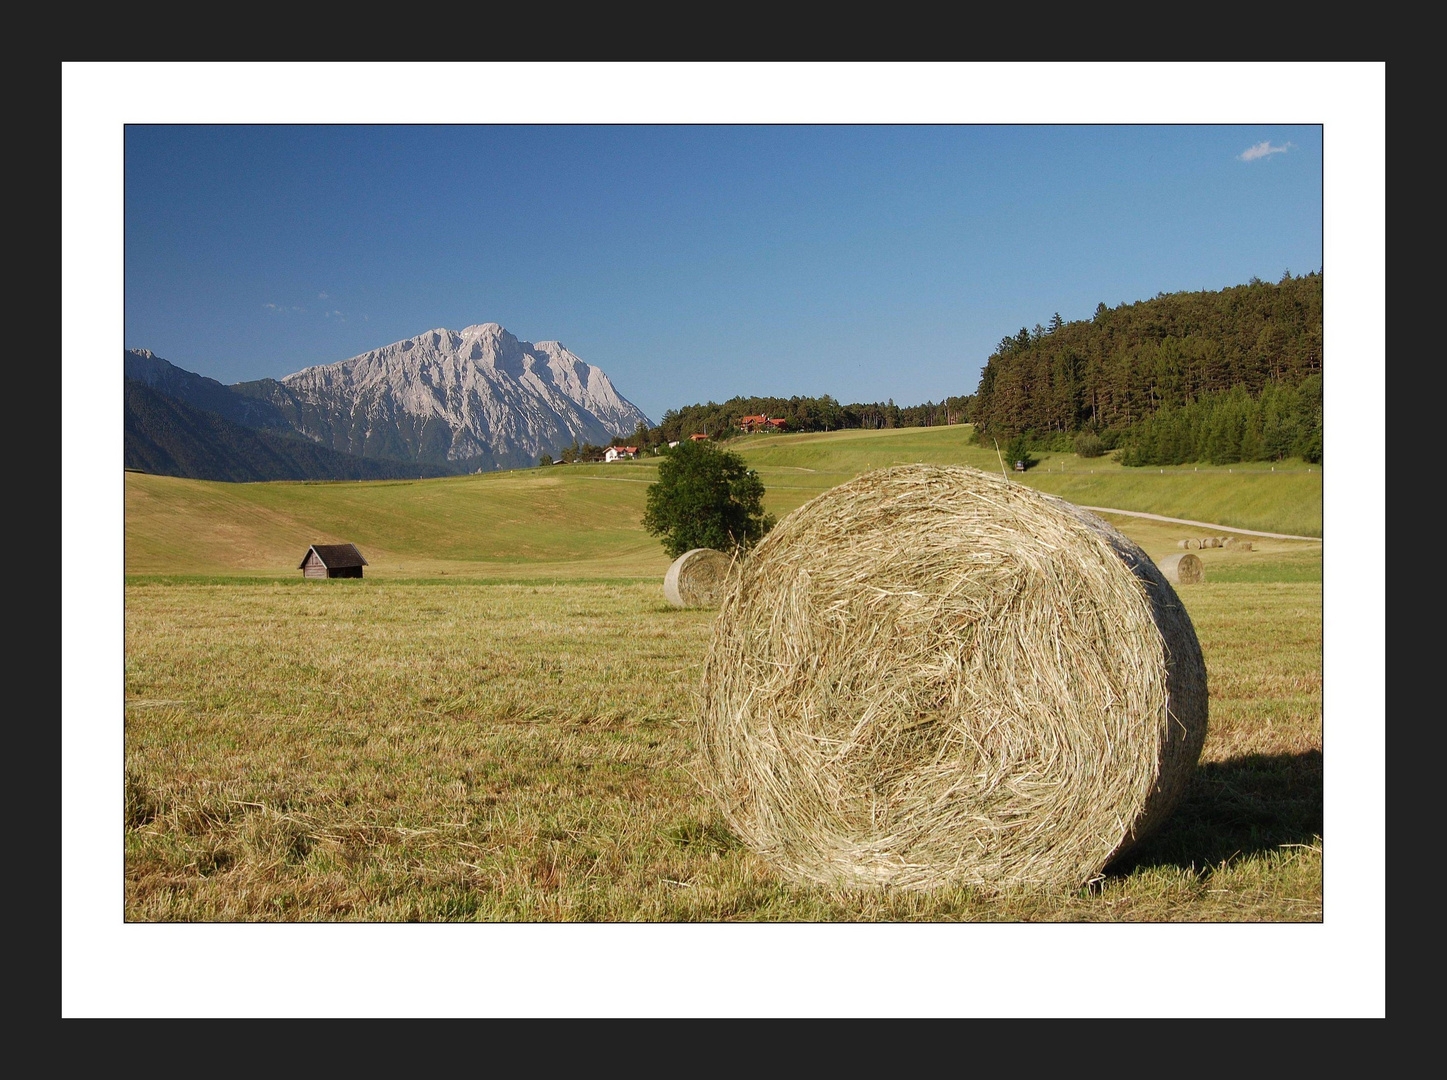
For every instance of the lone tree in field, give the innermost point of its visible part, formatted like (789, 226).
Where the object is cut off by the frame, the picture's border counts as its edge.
(706, 498)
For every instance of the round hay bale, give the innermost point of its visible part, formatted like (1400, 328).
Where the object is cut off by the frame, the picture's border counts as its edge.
(1183, 569)
(696, 578)
(936, 676)
(1235, 543)
(1211, 542)
(1190, 544)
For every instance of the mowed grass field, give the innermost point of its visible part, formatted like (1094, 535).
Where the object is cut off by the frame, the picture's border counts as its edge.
(496, 724)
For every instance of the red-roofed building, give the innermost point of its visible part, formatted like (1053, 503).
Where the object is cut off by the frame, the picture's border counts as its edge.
(761, 423)
(613, 453)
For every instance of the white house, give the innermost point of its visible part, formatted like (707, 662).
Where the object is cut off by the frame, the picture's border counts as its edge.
(614, 453)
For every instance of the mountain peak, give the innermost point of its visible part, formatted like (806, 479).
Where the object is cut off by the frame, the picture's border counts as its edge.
(485, 329)
(479, 394)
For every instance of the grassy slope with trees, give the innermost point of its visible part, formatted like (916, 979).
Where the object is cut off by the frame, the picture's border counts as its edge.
(585, 520)
(1211, 377)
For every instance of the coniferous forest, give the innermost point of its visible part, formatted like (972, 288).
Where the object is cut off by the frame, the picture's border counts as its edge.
(1215, 377)
(1212, 377)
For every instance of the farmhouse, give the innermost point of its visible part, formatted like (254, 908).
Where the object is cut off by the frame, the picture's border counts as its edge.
(761, 423)
(613, 453)
(332, 560)
(697, 438)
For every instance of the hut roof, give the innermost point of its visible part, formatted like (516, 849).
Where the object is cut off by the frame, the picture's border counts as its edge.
(335, 556)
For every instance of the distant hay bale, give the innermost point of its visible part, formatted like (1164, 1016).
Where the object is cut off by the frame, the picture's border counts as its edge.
(936, 676)
(1182, 569)
(1235, 543)
(1190, 544)
(696, 578)
(1211, 542)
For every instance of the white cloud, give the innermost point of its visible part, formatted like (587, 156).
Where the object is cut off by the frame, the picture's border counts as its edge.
(1262, 149)
(323, 296)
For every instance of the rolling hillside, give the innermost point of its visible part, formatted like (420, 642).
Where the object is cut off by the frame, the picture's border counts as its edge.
(582, 521)
(165, 435)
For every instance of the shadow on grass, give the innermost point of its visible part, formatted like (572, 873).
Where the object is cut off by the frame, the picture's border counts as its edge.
(1236, 808)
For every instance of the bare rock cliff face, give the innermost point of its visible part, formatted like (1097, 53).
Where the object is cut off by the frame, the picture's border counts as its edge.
(478, 396)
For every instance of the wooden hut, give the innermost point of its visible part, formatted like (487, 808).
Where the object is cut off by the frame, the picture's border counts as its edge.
(332, 560)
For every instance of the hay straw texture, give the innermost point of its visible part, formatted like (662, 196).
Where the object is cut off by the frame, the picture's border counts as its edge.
(936, 676)
(1183, 569)
(1190, 544)
(696, 578)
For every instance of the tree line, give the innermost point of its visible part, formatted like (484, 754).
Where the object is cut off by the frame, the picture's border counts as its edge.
(721, 421)
(1211, 376)
(1233, 375)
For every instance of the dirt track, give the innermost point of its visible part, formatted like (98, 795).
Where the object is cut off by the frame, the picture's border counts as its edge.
(1202, 524)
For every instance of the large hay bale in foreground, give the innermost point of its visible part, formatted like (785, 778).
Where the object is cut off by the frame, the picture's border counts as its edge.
(931, 676)
(696, 578)
(1182, 569)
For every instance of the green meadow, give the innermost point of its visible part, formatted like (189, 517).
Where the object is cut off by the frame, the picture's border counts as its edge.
(495, 724)
(571, 521)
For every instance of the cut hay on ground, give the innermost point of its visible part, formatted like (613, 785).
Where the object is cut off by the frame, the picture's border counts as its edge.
(1190, 544)
(936, 676)
(696, 578)
(1183, 569)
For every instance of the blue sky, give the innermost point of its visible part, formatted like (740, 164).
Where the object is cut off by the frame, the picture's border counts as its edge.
(918, 214)
(695, 261)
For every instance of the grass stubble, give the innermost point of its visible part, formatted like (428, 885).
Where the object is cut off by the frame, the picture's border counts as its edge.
(469, 750)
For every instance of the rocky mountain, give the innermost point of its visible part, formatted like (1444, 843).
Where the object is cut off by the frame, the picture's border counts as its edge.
(442, 402)
(475, 398)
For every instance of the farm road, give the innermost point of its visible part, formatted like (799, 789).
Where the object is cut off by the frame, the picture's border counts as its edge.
(1097, 509)
(1202, 524)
